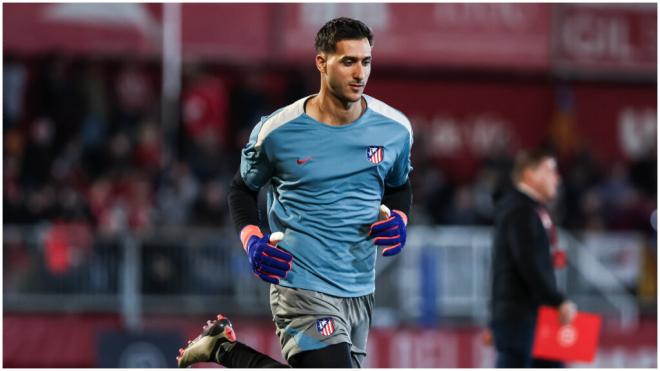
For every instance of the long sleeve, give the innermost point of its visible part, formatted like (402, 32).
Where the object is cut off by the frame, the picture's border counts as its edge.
(242, 201)
(531, 252)
(399, 198)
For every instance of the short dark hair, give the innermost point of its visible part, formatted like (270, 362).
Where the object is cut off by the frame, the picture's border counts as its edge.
(529, 159)
(339, 29)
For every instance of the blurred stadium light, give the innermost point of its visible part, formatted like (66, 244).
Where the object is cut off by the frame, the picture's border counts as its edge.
(109, 240)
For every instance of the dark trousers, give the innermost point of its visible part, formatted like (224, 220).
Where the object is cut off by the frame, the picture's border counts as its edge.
(513, 342)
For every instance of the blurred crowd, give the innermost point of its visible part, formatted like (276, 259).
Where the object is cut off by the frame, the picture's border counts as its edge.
(84, 146)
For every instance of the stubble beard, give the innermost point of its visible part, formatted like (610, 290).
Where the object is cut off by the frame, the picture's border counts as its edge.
(344, 98)
(337, 90)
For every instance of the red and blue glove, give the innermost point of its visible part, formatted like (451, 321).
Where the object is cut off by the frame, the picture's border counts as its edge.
(390, 233)
(267, 261)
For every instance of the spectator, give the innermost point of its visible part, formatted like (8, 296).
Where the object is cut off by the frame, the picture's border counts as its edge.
(39, 153)
(14, 81)
(249, 103)
(211, 208)
(147, 152)
(59, 96)
(176, 194)
(95, 124)
(205, 107)
(89, 124)
(134, 94)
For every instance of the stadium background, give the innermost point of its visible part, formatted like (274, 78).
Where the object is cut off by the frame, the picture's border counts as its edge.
(117, 243)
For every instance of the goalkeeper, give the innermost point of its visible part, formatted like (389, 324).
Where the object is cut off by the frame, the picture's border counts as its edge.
(332, 159)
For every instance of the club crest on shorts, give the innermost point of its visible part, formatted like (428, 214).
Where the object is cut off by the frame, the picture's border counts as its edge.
(325, 326)
(375, 154)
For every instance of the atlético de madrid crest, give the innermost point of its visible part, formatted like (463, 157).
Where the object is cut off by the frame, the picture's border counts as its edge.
(375, 154)
(325, 326)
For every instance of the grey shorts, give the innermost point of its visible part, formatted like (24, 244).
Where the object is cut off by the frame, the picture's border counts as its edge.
(308, 320)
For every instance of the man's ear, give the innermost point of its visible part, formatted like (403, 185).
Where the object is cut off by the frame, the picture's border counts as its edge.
(321, 63)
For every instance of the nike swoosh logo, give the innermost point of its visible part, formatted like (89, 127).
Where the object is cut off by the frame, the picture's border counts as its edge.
(303, 161)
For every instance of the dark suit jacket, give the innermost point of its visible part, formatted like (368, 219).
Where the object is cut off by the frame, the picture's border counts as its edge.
(523, 273)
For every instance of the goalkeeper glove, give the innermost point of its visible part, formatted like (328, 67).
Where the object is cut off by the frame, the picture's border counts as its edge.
(390, 232)
(267, 261)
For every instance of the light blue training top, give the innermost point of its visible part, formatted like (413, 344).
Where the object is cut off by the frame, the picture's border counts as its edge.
(327, 186)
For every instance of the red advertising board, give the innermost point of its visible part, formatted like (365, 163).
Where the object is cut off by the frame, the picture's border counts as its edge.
(403, 347)
(606, 37)
(227, 32)
(465, 35)
(519, 36)
(458, 123)
(617, 122)
(102, 29)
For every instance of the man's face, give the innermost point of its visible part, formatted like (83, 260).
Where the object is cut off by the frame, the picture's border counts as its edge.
(347, 70)
(545, 179)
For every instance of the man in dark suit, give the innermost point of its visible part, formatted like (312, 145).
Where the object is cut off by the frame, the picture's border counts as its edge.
(525, 254)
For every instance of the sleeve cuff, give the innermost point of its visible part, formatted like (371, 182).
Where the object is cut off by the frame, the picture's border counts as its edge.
(249, 231)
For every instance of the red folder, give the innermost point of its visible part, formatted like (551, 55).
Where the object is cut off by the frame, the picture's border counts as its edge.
(575, 342)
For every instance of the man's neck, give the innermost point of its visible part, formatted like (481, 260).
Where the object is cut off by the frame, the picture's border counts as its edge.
(529, 191)
(327, 109)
